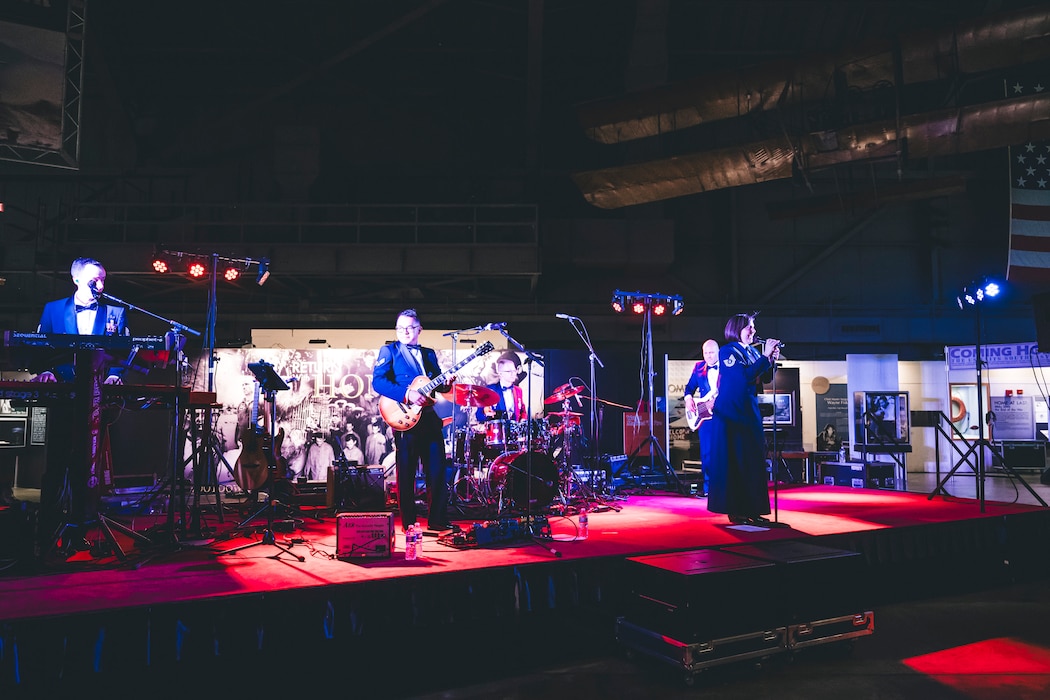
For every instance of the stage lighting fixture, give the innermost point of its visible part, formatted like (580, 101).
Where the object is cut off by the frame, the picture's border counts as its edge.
(231, 273)
(638, 306)
(160, 265)
(197, 269)
(618, 303)
(678, 306)
(659, 308)
(264, 272)
(976, 293)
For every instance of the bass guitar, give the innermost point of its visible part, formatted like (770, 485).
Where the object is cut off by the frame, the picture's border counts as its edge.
(702, 413)
(402, 416)
(257, 453)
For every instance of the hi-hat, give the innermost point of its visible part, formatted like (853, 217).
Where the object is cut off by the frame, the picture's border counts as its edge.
(565, 391)
(473, 395)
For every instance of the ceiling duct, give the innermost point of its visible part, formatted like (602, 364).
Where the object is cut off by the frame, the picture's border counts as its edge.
(971, 47)
(941, 133)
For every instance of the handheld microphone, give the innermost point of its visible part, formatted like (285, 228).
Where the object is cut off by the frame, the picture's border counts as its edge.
(93, 288)
(780, 344)
(567, 317)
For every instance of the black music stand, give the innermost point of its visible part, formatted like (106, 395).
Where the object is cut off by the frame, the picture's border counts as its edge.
(270, 382)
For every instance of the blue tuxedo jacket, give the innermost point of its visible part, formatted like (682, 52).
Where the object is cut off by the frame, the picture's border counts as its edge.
(60, 316)
(393, 373)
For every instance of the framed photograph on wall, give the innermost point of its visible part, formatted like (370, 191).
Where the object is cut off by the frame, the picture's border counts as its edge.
(962, 409)
(784, 406)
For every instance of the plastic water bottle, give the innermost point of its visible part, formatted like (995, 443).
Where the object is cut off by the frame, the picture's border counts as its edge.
(584, 525)
(411, 541)
(419, 541)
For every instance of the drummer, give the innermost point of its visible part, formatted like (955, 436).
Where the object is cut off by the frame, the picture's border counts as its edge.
(511, 405)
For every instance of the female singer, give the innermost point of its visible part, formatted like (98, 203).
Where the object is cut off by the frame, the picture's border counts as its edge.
(738, 478)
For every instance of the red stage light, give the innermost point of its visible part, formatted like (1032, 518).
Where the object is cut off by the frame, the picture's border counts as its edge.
(160, 265)
(659, 308)
(231, 274)
(197, 270)
(617, 306)
(638, 306)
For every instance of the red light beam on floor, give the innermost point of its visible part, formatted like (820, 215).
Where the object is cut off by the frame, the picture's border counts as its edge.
(991, 669)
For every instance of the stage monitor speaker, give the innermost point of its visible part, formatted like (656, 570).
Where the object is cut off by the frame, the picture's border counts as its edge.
(1041, 309)
(356, 489)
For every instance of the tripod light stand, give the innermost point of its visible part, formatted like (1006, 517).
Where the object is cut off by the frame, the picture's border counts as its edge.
(975, 296)
(648, 305)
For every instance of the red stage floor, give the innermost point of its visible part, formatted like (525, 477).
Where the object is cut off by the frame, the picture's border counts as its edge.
(641, 525)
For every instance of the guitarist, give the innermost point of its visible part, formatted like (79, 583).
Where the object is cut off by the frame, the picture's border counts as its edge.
(397, 366)
(705, 380)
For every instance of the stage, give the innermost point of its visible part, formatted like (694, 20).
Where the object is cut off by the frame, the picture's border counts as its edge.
(95, 618)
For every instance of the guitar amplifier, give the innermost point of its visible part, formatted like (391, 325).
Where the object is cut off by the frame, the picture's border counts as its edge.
(356, 489)
(364, 535)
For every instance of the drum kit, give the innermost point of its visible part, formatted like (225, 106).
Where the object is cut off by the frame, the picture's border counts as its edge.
(519, 465)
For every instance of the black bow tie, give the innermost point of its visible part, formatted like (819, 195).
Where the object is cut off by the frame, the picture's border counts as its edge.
(411, 347)
(711, 367)
(89, 307)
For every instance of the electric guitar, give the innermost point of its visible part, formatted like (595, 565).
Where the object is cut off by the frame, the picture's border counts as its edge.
(702, 412)
(402, 416)
(257, 453)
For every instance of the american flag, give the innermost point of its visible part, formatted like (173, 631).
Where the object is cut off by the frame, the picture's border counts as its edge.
(1029, 203)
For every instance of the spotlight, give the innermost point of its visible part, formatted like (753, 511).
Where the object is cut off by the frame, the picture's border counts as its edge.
(678, 306)
(991, 289)
(659, 308)
(197, 270)
(231, 273)
(160, 265)
(638, 306)
(618, 303)
(264, 272)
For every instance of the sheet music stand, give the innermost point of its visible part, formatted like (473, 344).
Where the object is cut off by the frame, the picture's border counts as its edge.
(270, 383)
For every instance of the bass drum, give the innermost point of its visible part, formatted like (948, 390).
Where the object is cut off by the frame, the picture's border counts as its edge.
(510, 472)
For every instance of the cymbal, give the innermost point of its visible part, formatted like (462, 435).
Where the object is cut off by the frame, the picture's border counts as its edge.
(473, 395)
(565, 391)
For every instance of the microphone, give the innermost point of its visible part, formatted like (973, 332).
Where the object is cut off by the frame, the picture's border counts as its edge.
(93, 287)
(567, 317)
(780, 344)
(579, 403)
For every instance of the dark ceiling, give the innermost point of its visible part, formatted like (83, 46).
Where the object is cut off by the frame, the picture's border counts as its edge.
(288, 110)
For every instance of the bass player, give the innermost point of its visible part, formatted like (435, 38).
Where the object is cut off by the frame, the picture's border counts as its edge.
(697, 410)
(397, 367)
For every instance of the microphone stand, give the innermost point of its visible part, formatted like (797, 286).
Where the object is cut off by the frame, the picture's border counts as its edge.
(530, 525)
(592, 358)
(176, 342)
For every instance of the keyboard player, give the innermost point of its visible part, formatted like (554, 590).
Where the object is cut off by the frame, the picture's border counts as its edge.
(68, 494)
(82, 314)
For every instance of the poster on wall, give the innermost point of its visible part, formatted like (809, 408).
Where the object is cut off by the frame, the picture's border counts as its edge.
(832, 418)
(329, 405)
(1012, 418)
(682, 442)
(964, 411)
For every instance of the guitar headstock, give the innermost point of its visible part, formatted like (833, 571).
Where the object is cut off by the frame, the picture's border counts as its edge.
(485, 348)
